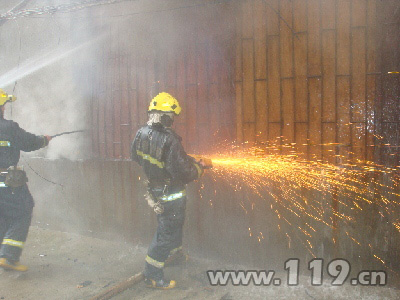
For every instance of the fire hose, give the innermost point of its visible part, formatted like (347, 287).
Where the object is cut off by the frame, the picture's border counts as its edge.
(130, 282)
(53, 136)
(66, 132)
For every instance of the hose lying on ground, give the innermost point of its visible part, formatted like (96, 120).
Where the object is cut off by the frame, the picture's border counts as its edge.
(130, 282)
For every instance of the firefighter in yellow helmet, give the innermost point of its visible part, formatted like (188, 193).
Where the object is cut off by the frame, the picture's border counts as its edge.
(16, 202)
(158, 149)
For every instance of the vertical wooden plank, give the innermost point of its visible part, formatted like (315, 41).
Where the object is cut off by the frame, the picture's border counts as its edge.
(109, 139)
(358, 142)
(359, 12)
(273, 17)
(214, 62)
(262, 119)
(181, 87)
(151, 84)
(203, 113)
(239, 112)
(102, 131)
(274, 89)
(286, 38)
(238, 43)
(248, 18)
(358, 77)
(315, 90)
(134, 119)
(288, 110)
(343, 37)
(248, 82)
(109, 109)
(314, 41)
(141, 90)
(227, 109)
(343, 109)
(260, 39)
(171, 68)
(132, 84)
(125, 110)
(190, 64)
(95, 113)
(328, 137)
(274, 133)
(371, 37)
(301, 139)
(371, 118)
(301, 88)
(227, 96)
(161, 67)
(132, 94)
(116, 99)
(328, 11)
(102, 87)
(329, 78)
(299, 16)
(249, 132)
(214, 109)
(191, 120)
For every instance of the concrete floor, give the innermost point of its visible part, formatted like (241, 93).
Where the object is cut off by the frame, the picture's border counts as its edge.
(70, 266)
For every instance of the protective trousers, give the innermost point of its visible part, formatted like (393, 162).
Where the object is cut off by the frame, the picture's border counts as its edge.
(15, 218)
(167, 239)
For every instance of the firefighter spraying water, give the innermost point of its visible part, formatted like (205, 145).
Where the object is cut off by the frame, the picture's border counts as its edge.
(16, 202)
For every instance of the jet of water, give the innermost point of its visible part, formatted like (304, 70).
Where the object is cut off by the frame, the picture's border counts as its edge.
(34, 64)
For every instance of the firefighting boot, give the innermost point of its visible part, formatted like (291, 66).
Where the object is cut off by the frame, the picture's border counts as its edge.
(160, 284)
(8, 265)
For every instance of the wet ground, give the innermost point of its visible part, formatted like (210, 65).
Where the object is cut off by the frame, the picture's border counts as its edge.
(71, 266)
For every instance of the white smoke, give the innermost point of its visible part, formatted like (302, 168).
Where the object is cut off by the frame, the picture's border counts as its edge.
(47, 65)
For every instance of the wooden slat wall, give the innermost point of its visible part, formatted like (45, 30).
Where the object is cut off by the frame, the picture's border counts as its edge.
(388, 85)
(197, 70)
(306, 74)
(278, 71)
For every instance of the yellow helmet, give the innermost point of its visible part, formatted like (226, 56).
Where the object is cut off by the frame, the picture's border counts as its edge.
(166, 103)
(4, 98)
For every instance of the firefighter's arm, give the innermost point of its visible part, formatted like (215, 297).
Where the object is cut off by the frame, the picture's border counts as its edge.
(134, 155)
(26, 141)
(180, 165)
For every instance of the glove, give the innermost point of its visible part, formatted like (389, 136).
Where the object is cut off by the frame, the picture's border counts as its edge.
(158, 208)
(150, 200)
(47, 139)
(205, 163)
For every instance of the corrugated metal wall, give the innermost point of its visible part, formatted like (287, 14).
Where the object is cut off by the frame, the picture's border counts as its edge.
(187, 53)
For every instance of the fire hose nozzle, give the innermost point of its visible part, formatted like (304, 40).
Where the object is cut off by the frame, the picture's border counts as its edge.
(206, 161)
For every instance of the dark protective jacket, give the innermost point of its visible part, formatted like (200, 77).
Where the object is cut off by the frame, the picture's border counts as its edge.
(14, 139)
(160, 152)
